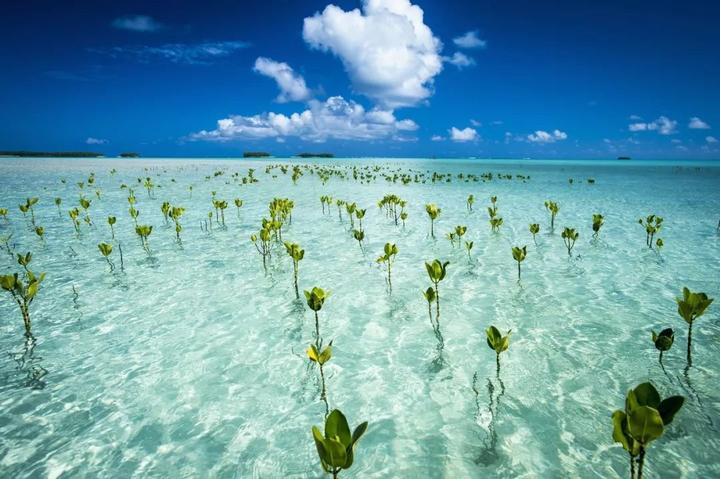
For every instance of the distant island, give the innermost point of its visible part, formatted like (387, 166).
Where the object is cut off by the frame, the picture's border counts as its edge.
(52, 154)
(623, 158)
(255, 154)
(316, 155)
(129, 154)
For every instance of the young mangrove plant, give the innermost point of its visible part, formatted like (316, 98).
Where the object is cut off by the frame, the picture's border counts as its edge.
(388, 257)
(690, 307)
(470, 201)
(165, 208)
(315, 299)
(296, 254)
(74, 216)
(144, 231)
(176, 213)
(360, 214)
(359, 236)
(492, 209)
(339, 203)
(495, 224)
(553, 208)
(403, 217)
(40, 232)
(597, 221)
(336, 447)
(569, 236)
(320, 357)
(4, 213)
(469, 246)
(534, 230)
(23, 289)
(437, 272)
(29, 204)
(85, 204)
(111, 221)
(498, 343)
(238, 204)
(652, 225)
(58, 202)
(106, 250)
(663, 342)
(350, 208)
(643, 420)
(519, 255)
(149, 186)
(433, 212)
(262, 246)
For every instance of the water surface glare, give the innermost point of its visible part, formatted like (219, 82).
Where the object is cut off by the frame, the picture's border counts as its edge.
(192, 362)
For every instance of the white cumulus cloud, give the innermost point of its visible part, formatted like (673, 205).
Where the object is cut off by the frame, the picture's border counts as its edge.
(663, 125)
(292, 86)
(542, 136)
(95, 141)
(466, 134)
(470, 40)
(137, 23)
(334, 118)
(460, 60)
(437, 138)
(711, 139)
(697, 124)
(387, 50)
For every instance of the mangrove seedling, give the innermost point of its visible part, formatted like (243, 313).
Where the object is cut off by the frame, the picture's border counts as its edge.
(238, 204)
(388, 257)
(498, 343)
(534, 230)
(495, 224)
(296, 254)
(433, 212)
(359, 236)
(469, 202)
(468, 247)
(74, 215)
(360, 214)
(165, 208)
(148, 184)
(553, 208)
(690, 307)
(111, 221)
(652, 224)
(175, 213)
(437, 271)
(403, 217)
(263, 246)
(597, 221)
(519, 255)
(85, 204)
(58, 202)
(320, 357)
(105, 250)
(40, 231)
(315, 299)
(29, 203)
(23, 289)
(429, 295)
(569, 236)
(659, 244)
(339, 203)
(4, 213)
(144, 231)
(663, 341)
(350, 208)
(336, 447)
(643, 420)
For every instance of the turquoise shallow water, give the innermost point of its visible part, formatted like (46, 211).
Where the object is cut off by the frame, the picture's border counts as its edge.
(191, 364)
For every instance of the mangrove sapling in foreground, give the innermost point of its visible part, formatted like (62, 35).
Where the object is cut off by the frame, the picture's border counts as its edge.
(176, 213)
(336, 447)
(350, 208)
(597, 221)
(433, 212)
(315, 299)
(534, 230)
(553, 208)
(106, 250)
(643, 420)
(111, 221)
(296, 254)
(144, 231)
(262, 246)
(652, 224)
(498, 343)
(437, 272)
(40, 232)
(569, 236)
(690, 307)
(519, 255)
(387, 258)
(23, 289)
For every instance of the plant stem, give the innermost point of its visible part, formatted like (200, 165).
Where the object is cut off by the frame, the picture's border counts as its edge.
(437, 305)
(295, 268)
(389, 278)
(518, 270)
(689, 344)
(632, 466)
(317, 331)
(641, 462)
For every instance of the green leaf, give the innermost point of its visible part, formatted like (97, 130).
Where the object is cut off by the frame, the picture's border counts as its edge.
(669, 407)
(618, 435)
(336, 452)
(337, 426)
(647, 395)
(358, 432)
(645, 424)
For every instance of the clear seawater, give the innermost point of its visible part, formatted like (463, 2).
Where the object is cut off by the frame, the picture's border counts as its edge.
(192, 362)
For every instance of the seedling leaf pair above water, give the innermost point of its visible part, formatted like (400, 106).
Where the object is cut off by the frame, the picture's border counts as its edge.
(336, 447)
(388, 257)
(519, 255)
(690, 307)
(569, 236)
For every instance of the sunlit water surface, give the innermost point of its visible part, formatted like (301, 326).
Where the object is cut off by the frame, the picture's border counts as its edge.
(192, 363)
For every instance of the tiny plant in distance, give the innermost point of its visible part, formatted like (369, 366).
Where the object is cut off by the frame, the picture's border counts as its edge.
(519, 255)
(359, 236)
(598, 221)
(336, 447)
(569, 236)
(388, 257)
(498, 343)
(643, 420)
(296, 254)
(534, 230)
(106, 250)
(315, 299)
(690, 307)
(433, 212)
(553, 208)
(437, 271)
(111, 221)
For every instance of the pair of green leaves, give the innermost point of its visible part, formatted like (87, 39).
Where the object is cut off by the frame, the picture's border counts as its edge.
(105, 249)
(390, 250)
(320, 357)
(496, 341)
(316, 298)
(692, 305)
(294, 251)
(437, 270)
(432, 210)
(519, 253)
(336, 447)
(644, 418)
(664, 340)
(534, 228)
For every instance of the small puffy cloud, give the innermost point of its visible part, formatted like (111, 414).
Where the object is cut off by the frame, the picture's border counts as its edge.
(541, 136)
(466, 134)
(437, 138)
(697, 124)
(663, 125)
(475, 123)
(387, 50)
(137, 23)
(460, 60)
(635, 117)
(184, 53)
(292, 86)
(335, 118)
(96, 141)
(711, 139)
(470, 40)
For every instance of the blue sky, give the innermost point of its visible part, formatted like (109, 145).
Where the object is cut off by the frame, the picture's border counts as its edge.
(507, 78)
